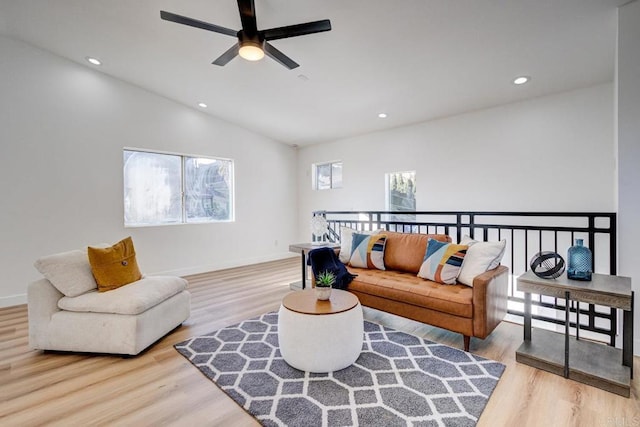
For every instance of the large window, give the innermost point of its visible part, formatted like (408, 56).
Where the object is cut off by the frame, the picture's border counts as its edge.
(401, 191)
(327, 175)
(172, 189)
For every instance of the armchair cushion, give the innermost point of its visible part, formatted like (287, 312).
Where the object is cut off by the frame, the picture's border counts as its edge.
(69, 272)
(134, 298)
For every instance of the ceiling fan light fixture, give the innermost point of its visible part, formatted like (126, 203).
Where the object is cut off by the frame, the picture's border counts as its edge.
(251, 51)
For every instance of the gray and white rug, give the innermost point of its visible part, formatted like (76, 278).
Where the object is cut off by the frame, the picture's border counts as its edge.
(398, 380)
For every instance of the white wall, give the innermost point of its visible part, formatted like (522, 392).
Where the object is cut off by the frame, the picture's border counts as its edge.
(554, 153)
(62, 130)
(628, 131)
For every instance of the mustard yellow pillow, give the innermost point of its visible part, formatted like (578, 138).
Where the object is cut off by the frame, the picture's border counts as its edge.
(115, 266)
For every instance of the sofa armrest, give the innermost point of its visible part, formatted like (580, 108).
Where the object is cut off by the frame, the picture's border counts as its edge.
(42, 303)
(489, 300)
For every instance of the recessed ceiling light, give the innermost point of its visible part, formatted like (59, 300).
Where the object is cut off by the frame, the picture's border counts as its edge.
(382, 115)
(202, 105)
(521, 80)
(94, 61)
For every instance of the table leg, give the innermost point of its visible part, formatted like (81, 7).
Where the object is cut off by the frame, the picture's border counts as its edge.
(577, 320)
(527, 316)
(304, 270)
(567, 311)
(627, 337)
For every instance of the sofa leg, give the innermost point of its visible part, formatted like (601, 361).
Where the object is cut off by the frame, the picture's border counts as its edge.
(467, 341)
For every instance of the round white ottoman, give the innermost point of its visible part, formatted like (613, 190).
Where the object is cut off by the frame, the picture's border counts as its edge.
(320, 336)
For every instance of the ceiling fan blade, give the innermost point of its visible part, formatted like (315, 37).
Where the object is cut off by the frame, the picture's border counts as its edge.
(280, 57)
(297, 30)
(247, 10)
(227, 56)
(179, 19)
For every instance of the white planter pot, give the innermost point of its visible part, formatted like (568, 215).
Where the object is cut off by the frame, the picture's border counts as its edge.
(323, 294)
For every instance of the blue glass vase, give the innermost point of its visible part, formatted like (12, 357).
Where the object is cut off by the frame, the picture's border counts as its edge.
(579, 262)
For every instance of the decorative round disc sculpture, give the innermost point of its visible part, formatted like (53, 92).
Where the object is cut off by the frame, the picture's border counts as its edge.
(319, 226)
(547, 265)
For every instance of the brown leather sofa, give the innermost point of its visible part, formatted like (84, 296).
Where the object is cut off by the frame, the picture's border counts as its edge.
(472, 311)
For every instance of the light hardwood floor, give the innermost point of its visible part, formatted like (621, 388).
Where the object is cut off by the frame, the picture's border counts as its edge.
(159, 387)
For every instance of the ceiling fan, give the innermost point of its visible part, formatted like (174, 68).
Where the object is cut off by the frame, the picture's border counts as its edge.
(252, 44)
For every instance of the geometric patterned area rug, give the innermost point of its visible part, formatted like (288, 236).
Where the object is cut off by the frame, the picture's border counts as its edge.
(398, 380)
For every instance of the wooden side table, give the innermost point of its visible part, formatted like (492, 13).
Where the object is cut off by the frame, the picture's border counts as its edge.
(598, 365)
(304, 249)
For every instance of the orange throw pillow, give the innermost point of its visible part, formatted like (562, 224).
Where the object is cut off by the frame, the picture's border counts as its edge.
(115, 266)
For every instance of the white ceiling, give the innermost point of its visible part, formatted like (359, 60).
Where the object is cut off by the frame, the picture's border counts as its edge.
(416, 60)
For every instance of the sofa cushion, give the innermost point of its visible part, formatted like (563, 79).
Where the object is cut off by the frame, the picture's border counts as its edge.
(133, 299)
(405, 251)
(442, 262)
(480, 257)
(69, 272)
(346, 238)
(368, 251)
(410, 289)
(114, 266)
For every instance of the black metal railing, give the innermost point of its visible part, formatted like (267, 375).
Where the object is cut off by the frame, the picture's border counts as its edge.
(526, 233)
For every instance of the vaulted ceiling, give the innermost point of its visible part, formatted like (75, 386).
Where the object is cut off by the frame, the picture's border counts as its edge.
(414, 60)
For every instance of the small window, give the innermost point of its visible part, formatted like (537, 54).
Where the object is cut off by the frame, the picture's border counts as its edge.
(174, 189)
(401, 191)
(327, 175)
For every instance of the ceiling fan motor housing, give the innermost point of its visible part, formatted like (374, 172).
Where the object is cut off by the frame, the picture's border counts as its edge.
(245, 39)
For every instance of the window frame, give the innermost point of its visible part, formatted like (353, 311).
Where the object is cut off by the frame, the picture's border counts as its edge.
(387, 188)
(315, 182)
(183, 193)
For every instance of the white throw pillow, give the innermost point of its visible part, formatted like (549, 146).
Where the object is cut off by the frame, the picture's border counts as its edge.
(69, 272)
(481, 257)
(346, 238)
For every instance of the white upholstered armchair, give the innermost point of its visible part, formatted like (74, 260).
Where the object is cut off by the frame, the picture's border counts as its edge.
(67, 313)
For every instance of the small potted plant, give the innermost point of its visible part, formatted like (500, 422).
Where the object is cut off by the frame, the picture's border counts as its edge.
(324, 282)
